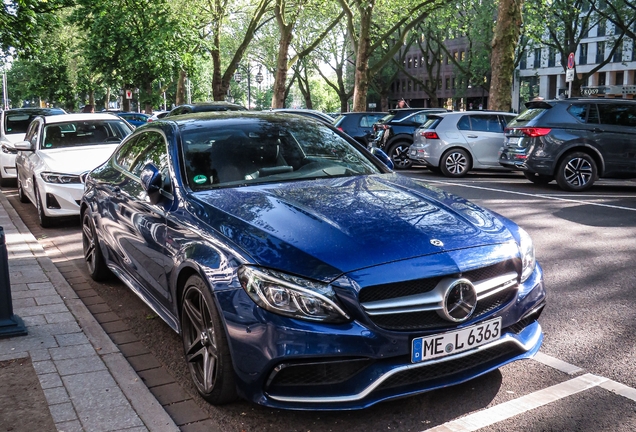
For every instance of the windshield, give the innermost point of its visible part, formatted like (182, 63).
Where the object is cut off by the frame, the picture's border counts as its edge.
(262, 152)
(84, 132)
(17, 122)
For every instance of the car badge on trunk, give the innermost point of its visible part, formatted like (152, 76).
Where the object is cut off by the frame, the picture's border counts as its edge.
(437, 243)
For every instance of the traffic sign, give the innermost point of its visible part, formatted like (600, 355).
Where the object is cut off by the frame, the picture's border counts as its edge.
(128, 94)
(569, 75)
(571, 61)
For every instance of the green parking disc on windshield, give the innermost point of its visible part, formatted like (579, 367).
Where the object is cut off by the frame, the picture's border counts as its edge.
(200, 179)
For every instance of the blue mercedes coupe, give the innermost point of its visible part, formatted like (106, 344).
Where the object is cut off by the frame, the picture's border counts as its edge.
(300, 271)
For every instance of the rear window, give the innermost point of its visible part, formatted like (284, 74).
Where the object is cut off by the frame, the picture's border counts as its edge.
(526, 117)
(431, 123)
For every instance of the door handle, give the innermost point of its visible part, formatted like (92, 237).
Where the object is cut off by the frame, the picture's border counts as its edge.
(472, 136)
(596, 130)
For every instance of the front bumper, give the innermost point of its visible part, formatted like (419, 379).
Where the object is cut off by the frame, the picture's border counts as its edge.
(60, 200)
(292, 364)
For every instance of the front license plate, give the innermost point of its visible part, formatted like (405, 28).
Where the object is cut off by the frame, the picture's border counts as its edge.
(440, 345)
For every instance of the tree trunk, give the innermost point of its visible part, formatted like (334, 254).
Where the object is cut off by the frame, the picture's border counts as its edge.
(180, 96)
(107, 99)
(280, 78)
(219, 87)
(502, 62)
(148, 101)
(361, 87)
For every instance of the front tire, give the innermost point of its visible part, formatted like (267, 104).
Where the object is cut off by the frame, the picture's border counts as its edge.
(21, 195)
(45, 221)
(95, 262)
(399, 154)
(455, 163)
(205, 344)
(577, 172)
(540, 179)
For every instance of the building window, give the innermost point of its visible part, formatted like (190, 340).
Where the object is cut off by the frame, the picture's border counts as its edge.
(551, 57)
(585, 6)
(619, 78)
(601, 78)
(415, 62)
(462, 55)
(600, 52)
(456, 55)
(583, 54)
(410, 85)
(537, 58)
(410, 64)
(427, 84)
(600, 29)
(439, 84)
(523, 62)
(422, 61)
(447, 84)
(618, 54)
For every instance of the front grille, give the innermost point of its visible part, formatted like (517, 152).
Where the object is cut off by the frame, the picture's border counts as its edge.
(451, 367)
(430, 319)
(316, 374)
(401, 319)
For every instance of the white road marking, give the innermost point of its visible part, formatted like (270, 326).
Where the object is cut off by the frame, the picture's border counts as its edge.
(620, 389)
(521, 405)
(557, 364)
(556, 198)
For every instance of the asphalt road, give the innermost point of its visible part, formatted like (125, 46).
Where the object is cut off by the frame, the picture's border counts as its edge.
(584, 378)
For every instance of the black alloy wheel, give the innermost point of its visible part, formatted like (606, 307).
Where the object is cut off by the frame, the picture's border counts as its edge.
(577, 172)
(455, 163)
(399, 154)
(205, 344)
(45, 221)
(540, 179)
(93, 256)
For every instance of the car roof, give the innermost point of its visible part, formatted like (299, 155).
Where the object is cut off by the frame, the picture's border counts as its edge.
(79, 117)
(210, 106)
(195, 120)
(304, 111)
(36, 111)
(471, 113)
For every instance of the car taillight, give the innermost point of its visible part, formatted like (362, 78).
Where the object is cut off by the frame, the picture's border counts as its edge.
(534, 132)
(340, 129)
(429, 135)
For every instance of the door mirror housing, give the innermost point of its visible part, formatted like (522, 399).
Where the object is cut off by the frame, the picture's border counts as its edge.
(24, 146)
(151, 181)
(384, 158)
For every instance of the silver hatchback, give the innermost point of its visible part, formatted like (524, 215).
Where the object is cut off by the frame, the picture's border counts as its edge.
(457, 142)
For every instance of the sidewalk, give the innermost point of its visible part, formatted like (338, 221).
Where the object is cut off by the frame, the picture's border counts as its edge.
(87, 382)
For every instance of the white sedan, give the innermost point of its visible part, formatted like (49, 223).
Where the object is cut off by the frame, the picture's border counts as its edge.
(56, 150)
(14, 124)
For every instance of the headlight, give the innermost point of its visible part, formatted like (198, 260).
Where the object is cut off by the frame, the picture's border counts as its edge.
(50, 177)
(526, 249)
(291, 296)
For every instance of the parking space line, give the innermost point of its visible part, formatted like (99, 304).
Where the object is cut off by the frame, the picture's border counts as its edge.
(557, 364)
(556, 198)
(620, 389)
(520, 405)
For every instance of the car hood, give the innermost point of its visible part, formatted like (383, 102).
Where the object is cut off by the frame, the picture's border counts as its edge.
(75, 160)
(322, 228)
(14, 138)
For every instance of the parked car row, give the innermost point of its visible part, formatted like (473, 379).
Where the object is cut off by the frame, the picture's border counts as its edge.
(260, 238)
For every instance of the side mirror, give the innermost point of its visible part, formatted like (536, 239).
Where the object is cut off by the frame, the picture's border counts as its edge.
(24, 146)
(384, 158)
(151, 182)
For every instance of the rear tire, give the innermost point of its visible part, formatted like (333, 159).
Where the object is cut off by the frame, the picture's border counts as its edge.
(455, 163)
(577, 172)
(540, 179)
(205, 344)
(399, 154)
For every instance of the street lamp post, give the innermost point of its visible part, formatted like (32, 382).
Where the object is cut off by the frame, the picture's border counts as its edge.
(238, 77)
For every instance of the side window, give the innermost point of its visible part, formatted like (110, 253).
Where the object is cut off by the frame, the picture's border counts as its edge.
(592, 117)
(32, 133)
(464, 123)
(486, 123)
(364, 121)
(419, 118)
(128, 153)
(617, 114)
(579, 112)
(155, 152)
